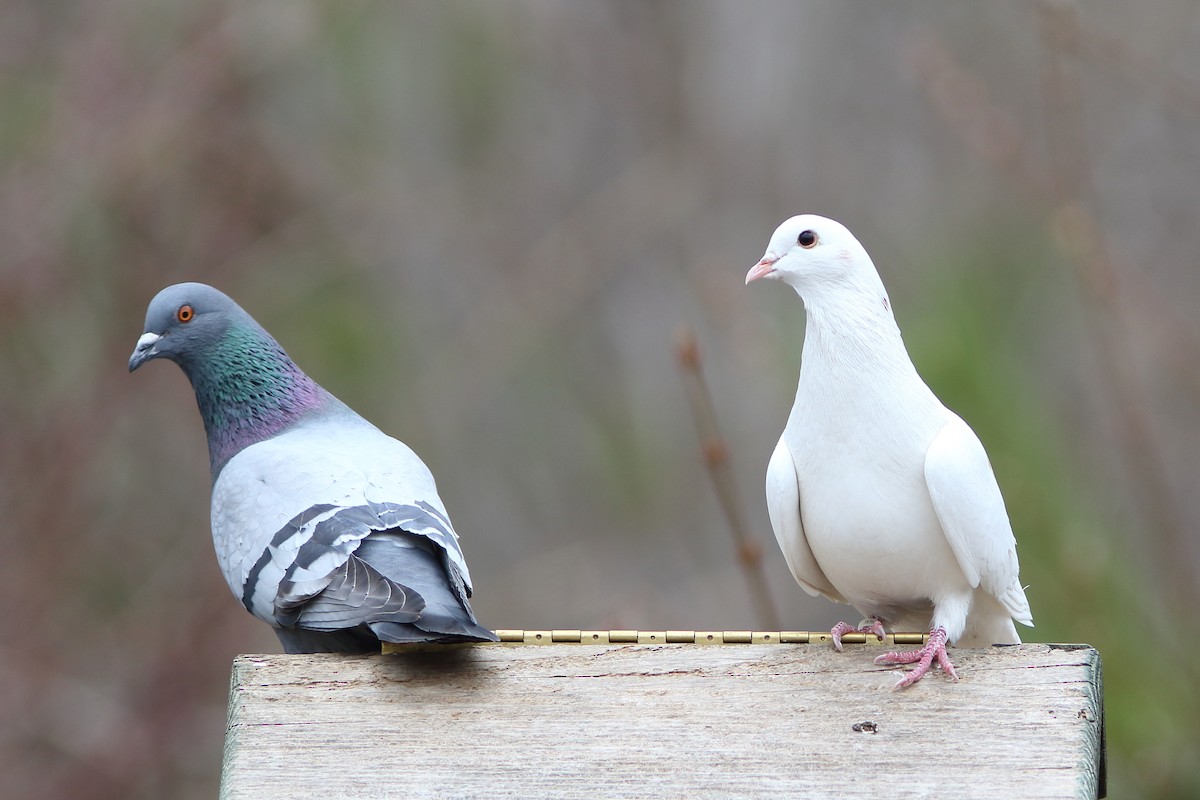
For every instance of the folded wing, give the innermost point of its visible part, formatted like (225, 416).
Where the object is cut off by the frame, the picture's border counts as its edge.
(971, 510)
(342, 535)
(783, 507)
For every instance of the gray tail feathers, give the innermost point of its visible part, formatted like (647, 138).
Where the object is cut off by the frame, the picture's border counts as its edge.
(357, 593)
(396, 587)
(414, 561)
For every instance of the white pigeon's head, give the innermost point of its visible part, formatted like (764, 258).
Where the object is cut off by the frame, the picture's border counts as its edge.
(808, 251)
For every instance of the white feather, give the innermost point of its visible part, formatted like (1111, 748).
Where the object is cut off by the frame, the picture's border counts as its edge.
(783, 507)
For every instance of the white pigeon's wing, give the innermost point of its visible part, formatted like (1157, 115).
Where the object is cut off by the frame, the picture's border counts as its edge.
(289, 512)
(783, 507)
(967, 501)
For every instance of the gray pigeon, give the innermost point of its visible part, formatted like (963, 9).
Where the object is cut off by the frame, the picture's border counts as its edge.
(326, 528)
(879, 495)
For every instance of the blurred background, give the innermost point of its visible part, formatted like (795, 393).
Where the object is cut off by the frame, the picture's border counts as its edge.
(482, 225)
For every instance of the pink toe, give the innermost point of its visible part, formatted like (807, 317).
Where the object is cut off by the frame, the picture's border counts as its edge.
(935, 648)
(837, 632)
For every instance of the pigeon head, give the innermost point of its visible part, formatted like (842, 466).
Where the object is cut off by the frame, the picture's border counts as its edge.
(810, 253)
(247, 388)
(184, 323)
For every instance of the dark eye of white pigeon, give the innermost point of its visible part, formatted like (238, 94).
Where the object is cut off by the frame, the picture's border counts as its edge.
(807, 239)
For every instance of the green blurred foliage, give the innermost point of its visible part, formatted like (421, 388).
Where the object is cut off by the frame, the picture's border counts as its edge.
(1086, 581)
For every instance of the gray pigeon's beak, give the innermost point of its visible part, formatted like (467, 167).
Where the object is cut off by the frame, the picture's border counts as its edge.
(762, 269)
(144, 350)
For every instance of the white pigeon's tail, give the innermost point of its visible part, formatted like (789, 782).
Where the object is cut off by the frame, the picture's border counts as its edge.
(985, 630)
(1017, 604)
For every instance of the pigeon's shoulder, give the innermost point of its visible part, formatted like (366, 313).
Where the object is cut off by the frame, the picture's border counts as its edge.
(343, 453)
(344, 462)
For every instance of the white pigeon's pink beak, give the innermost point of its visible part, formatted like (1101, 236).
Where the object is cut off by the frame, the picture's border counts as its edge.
(762, 269)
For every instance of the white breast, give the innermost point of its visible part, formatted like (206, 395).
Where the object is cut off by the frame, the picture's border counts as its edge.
(864, 503)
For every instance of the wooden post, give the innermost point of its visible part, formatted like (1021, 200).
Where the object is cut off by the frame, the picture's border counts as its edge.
(664, 721)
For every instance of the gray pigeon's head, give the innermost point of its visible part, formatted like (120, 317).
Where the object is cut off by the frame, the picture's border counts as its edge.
(814, 254)
(183, 321)
(247, 389)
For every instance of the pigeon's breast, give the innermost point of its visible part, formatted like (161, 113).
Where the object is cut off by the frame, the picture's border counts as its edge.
(869, 519)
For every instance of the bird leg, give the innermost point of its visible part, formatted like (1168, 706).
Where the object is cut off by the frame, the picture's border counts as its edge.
(872, 625)
(923, 658)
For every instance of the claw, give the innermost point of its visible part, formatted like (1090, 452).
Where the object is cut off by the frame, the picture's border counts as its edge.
(923, 658)
(842, 628)
(836, 633)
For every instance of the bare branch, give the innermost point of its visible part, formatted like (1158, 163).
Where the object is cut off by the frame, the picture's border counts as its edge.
(716, 460)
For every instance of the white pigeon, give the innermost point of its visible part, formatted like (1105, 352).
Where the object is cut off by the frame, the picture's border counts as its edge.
(879, 495)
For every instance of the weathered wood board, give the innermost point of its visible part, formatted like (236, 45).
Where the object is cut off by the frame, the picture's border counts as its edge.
(664, 721)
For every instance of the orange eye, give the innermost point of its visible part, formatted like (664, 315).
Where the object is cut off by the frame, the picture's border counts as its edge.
(185, 313)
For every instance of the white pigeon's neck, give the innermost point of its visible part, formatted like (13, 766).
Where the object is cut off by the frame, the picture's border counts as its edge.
(852, 345)
(856, 379)
(855, 318)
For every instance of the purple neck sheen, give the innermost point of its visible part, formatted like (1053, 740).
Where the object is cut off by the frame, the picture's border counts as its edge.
(248, 391)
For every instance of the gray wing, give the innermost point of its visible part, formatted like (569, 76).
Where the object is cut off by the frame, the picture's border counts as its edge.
(322, 534)
(382, 565)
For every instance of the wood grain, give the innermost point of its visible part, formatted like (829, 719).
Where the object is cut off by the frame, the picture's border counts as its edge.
(662, 721)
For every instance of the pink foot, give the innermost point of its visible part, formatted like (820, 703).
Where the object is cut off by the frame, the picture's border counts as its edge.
(842, 628)
(923, 658)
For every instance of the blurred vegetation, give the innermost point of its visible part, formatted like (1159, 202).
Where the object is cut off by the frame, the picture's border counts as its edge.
(480, 224)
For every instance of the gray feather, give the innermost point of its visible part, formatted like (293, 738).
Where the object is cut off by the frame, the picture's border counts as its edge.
(401, 585)
(356, 594)
(413, 561)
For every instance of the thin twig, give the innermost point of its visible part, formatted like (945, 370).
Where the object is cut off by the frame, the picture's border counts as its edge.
(716, 459)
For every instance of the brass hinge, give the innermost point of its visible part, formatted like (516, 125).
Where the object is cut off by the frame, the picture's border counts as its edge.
(575, 636)
(515, 636)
